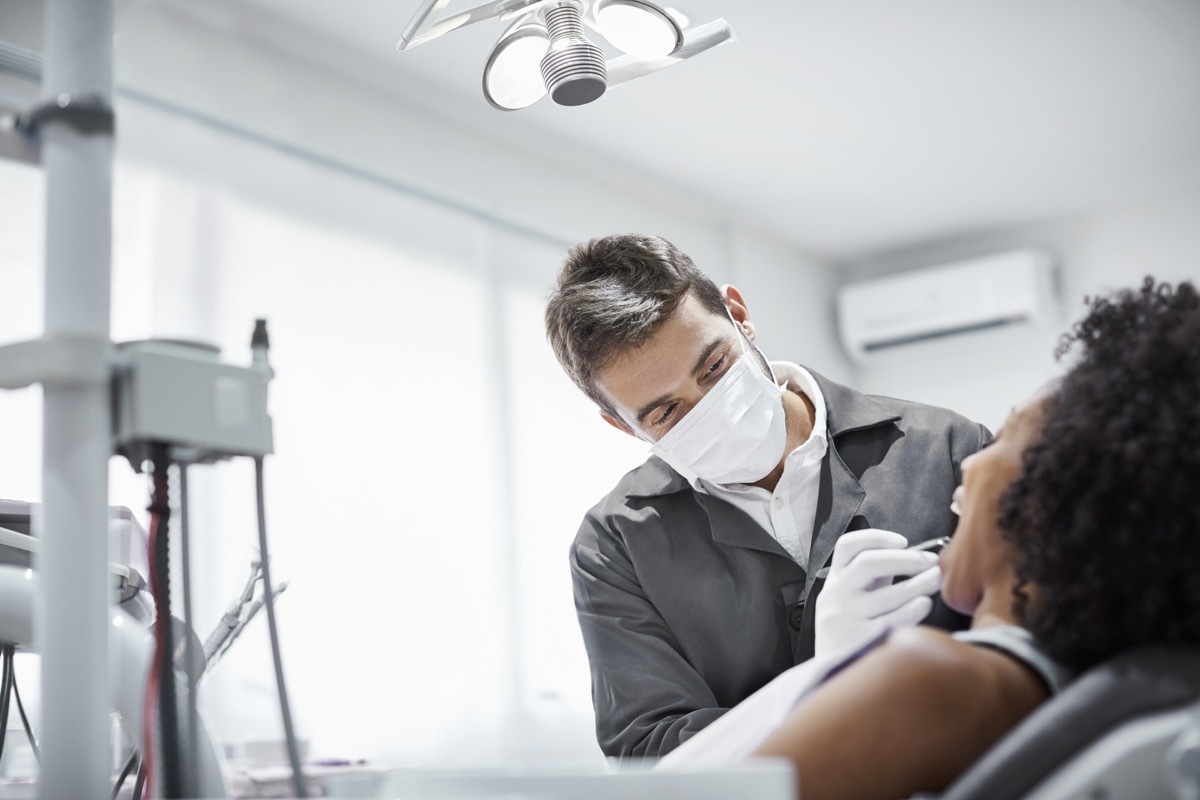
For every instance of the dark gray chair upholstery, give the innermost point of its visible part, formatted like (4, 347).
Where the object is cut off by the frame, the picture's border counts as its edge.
(1129, 687)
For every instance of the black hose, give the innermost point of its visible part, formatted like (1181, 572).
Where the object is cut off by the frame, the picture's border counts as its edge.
(140, 782)
(191, 757)
(6, 653)
(24, 718)
(128, 768)
(168, 711)
(289, 733)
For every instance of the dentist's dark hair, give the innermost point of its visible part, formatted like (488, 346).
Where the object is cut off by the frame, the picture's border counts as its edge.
(1105, 518)
(612, 294)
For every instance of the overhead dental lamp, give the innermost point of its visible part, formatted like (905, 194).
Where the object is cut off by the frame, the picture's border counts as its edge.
(546, 51)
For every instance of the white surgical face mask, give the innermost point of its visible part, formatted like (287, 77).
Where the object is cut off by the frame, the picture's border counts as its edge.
(735, 434)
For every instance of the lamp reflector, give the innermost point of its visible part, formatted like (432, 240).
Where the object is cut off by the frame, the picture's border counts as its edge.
(512, 78)
(638, 28)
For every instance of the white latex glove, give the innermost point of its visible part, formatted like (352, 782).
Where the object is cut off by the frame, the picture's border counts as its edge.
(859, 600)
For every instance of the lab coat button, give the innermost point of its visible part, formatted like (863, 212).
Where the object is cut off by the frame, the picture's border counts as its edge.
(796, 616)
(778, 503)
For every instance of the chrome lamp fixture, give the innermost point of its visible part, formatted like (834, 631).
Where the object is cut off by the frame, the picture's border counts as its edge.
(546, 50)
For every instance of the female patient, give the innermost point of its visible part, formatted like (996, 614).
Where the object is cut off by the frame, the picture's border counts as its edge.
(1080, 523)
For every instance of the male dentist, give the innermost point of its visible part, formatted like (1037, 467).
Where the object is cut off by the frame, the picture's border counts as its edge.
(724, 559)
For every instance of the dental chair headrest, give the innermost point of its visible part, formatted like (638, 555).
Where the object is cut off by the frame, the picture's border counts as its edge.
(1131, 685)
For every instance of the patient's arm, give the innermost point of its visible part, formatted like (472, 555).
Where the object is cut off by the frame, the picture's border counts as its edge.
(909, 716)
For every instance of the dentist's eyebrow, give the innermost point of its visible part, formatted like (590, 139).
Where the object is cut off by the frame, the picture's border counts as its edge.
(709, 349)
(702, 362)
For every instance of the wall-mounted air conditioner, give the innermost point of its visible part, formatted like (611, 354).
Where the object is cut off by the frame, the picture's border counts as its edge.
(897, 312)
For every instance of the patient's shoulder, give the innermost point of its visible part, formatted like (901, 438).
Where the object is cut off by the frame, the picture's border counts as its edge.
(923, 638)
(922, 703)
(925, 653)
(932, 661)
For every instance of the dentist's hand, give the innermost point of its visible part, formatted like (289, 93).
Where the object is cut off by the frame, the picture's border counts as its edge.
(859, 600)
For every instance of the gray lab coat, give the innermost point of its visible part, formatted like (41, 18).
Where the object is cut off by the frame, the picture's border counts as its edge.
(687, 606)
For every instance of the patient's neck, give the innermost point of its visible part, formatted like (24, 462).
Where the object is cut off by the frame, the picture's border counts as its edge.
(995, 606)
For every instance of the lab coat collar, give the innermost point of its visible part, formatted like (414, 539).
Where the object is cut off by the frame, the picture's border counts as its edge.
(845, 410)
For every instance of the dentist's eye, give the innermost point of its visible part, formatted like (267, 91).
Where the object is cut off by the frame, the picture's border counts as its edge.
(716, 365)
(665, 414)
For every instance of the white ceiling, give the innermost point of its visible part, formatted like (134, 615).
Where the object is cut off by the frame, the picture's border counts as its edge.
(850, 126)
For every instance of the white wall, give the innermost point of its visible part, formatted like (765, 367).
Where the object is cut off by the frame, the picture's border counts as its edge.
(982, 375)
(791, 300)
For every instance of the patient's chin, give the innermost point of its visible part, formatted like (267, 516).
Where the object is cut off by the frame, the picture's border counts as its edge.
(960, 594)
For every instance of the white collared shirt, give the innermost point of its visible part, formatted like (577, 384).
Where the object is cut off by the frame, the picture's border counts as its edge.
(789, 511)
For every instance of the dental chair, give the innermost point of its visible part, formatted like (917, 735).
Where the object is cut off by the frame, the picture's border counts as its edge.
(1127, 728)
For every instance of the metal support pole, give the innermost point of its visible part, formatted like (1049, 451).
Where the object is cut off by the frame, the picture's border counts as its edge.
(73, 606)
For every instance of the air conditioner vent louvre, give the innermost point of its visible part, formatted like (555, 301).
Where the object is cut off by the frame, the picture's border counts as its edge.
(999, 322)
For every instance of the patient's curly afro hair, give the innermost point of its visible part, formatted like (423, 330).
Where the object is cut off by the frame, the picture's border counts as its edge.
(1105, 517)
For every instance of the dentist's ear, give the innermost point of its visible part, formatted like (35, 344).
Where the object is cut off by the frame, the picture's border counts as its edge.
(738, 309)
(618, 424)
